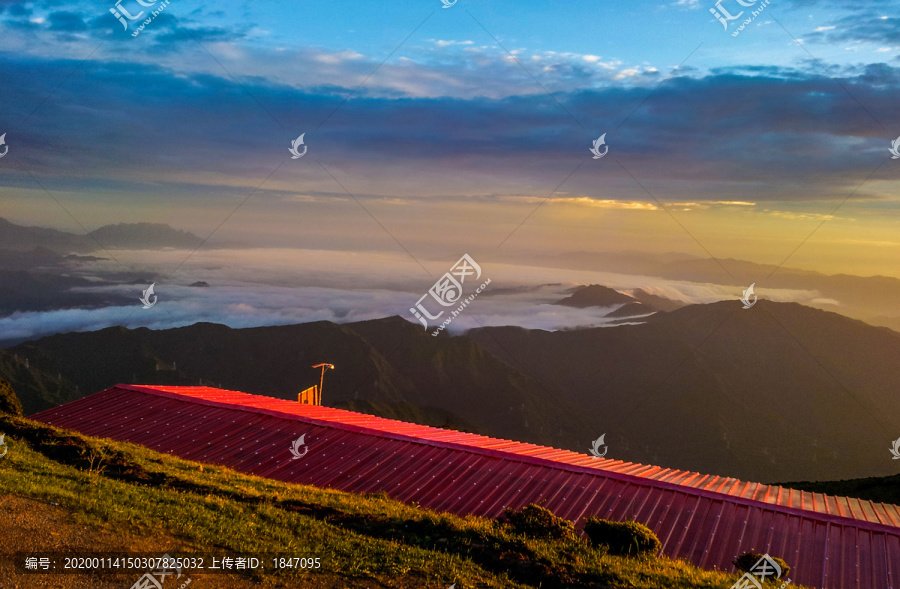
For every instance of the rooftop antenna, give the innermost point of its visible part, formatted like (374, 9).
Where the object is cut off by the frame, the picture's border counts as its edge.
(324, 367)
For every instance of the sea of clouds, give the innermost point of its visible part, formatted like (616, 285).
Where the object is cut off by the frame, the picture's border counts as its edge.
(257, 287)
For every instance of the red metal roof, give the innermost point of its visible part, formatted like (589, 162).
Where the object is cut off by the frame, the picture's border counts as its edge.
(831, 542)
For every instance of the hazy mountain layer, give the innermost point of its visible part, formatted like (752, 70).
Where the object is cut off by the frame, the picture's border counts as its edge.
(764, 393)
(388, 365)
(775, 392)
(123, 235)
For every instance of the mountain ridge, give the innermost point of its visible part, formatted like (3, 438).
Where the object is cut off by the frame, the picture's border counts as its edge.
(143, 235)
(777, 392)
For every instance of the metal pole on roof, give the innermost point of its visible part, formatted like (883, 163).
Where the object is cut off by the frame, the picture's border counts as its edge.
(324, 367)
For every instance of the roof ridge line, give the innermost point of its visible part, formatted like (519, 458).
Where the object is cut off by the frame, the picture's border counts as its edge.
(507, 454)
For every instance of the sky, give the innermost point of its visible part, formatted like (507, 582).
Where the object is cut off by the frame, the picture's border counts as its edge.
(432, 131)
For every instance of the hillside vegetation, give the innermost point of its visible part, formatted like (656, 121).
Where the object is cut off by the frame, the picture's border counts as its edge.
(877, 489)
(9, 402)
(367, 540)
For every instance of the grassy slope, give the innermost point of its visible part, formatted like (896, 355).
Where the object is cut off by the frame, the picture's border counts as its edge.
(358, 538)
(9, 402)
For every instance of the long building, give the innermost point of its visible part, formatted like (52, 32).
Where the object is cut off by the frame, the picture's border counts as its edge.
(830, 542)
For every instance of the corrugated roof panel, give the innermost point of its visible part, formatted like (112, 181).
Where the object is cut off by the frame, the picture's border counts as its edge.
(881, 557)
(888, 514)
(705, 518)
(855, 508)
(852, 557)
(835, 542)
(834, 571)
(891, 561)
(720, 554)
(689, 523)
(823, 540)
(812, 533)
(778, 531)
(520, 489)
(668, 522)
(862, 559)
(490, 494)
(726, 486)
(641, 506)
(794, 541)
(791, 498)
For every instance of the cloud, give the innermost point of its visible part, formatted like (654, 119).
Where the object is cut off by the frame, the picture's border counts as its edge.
(777, 134)
(435, 68)
(283, 286)
(585, 201)
(869, 25)
(66, 21)
(198, 125)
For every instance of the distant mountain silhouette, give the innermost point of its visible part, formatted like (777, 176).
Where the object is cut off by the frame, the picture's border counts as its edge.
(123, 235)
(640, 302)
(34, 291)
(144, 236)
(634, 309)
(22, 238)
(656, 302)
(776, 392)
(36, 266)
(24, 260)
(595, 295)
(872, 299)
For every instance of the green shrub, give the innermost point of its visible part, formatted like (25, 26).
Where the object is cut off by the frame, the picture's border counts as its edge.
(622, 538)
(538, 522)
(746, 561)
(9, 402)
